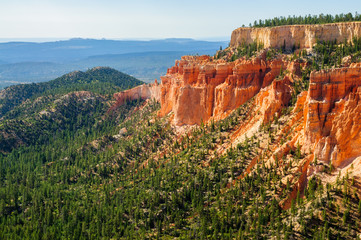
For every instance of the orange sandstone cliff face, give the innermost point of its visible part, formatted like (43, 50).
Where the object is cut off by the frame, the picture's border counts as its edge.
(304, 36)
(272, 99)
(197, 89)
(333, 115)
(325, 121)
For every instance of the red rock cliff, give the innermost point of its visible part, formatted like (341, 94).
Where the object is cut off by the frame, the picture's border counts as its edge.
(333, 114)
(197, 88)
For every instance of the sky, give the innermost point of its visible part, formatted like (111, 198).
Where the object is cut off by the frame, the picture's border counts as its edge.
(152, 19)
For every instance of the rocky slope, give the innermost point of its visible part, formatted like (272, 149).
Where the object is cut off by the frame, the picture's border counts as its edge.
(304, 36)
(201, 89)
(300, 120)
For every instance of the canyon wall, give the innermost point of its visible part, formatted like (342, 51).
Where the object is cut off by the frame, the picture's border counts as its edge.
(333, 114)
(304, 36)
(200, 88)
(197, 89)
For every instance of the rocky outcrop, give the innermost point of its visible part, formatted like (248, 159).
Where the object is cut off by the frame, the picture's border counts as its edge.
(325, 122)
(304, 36)
(197, 89)
(145, 91)
(272, 99)
(333, 114)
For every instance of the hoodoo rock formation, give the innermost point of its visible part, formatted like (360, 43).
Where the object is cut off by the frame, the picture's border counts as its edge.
(333, 114)
(272, 99)
(303, 36)
(197, 89)
(326, 119)
(278, 112)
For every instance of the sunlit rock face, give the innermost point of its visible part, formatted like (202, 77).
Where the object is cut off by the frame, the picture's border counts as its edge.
(333, 114)
(198, 88)
(303, 36)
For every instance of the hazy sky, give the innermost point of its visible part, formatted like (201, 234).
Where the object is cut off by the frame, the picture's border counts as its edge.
(134, 19)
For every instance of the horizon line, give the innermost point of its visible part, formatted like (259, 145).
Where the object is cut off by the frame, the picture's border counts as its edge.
(54, 39)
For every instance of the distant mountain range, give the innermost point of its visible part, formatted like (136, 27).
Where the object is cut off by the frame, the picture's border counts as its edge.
(22, 62)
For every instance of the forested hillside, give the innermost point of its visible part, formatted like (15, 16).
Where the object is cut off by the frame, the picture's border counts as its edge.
(98, 80)
(128, 174)
(32, 113)
(251, 143)
(131, 177)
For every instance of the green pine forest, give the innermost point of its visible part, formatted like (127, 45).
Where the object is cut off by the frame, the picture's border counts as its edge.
(308, 19)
